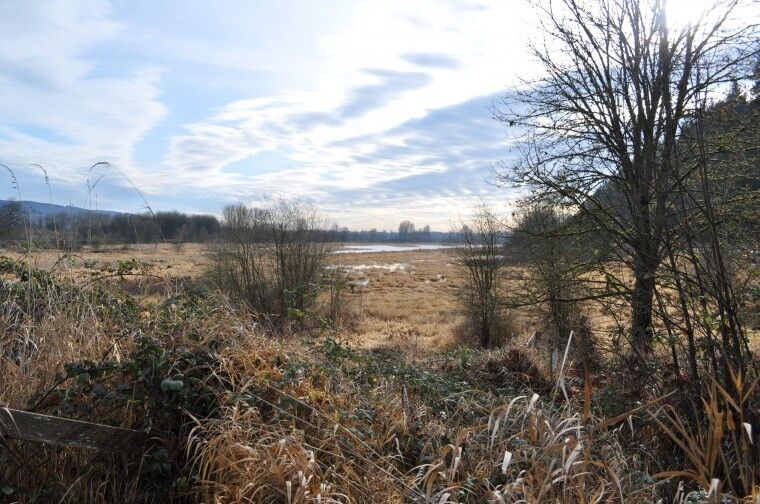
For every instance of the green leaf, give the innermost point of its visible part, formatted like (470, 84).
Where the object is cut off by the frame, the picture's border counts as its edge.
(173, 385)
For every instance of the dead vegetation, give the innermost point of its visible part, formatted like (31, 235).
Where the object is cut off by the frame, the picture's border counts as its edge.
(235, 415)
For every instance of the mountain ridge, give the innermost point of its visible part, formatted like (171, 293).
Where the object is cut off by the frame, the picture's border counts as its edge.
(38, 209)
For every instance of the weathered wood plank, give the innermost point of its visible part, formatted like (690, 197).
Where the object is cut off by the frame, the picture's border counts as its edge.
(63, 431)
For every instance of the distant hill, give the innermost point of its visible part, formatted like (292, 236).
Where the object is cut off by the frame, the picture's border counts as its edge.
(40, 210)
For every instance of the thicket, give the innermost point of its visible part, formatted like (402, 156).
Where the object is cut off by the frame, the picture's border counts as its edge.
(271, 260)
(642, 175)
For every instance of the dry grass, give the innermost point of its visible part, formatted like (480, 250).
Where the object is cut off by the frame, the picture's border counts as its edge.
(401, 415)
(412, 305)
(165, 259)
(409, 301)
(333, 440)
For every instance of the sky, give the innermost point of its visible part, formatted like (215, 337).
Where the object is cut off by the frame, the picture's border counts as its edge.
(375, 110)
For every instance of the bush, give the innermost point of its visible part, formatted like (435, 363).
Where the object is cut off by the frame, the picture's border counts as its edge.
(503, 328)
(271, 259)
(545, 244)
(481, 256)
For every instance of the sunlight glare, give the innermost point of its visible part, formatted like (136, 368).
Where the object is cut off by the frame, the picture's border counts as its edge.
(684, 12)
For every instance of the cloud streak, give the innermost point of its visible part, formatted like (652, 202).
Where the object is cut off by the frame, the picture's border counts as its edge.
(55, 111)
(392, 119)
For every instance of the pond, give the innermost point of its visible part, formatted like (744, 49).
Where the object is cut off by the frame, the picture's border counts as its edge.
(378, 247)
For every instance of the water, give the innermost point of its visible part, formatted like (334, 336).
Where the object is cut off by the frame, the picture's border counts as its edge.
(376, 247)
(358, 268)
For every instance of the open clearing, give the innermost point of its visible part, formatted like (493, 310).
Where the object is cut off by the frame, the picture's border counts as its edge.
(403, 297)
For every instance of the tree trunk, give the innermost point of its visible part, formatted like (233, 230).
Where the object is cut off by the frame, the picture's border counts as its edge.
(642, 303)
(485, 331)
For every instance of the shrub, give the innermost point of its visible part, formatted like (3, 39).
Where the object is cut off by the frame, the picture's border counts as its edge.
(481, 257)
(271, 259)
(503, 328)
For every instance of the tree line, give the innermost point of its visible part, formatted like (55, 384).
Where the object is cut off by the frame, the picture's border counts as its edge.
(92, 228)
(72, 230)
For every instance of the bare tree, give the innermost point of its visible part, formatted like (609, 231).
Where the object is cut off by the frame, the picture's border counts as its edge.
(271, 259)
(406, 230)
(547, 272)
(603, 124)
(240, 264)
(481, 254)
(711, 239)
(299, 247)
(550, 254)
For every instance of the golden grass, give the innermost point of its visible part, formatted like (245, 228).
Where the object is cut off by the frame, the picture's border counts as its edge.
(414, 307)
(303, 420)
(310, 451)
(165, 259)
(409, 303)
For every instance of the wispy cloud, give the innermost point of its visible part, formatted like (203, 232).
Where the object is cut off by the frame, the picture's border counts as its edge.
(55, 109)
(380, 112)
(432, 60)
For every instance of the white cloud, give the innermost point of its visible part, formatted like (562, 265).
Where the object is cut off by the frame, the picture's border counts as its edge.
(371, 108)
(43, 40)
(393, 63)
(77, 116)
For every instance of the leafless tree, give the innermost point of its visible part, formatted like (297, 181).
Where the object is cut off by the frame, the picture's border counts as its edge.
(299, 247)
(548, 266)
(406, 230)
(480, 252)
(239, 261)
(602, 126)
(711, 236)
(271, 258)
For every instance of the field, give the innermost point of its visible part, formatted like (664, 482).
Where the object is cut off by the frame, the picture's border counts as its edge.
(409, 300)
(405, 299)
(385, 406)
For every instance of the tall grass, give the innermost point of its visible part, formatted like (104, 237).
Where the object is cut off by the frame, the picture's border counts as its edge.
(720, 449)
(264, 420)
(235, 415)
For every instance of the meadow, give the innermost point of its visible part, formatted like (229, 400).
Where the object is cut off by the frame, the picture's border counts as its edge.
(392, 403)
(404, 299)
(407, 299)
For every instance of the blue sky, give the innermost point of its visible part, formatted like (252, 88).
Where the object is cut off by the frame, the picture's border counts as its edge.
(377, 110)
